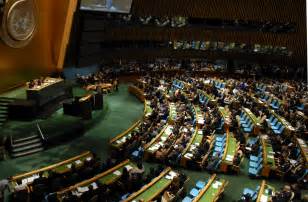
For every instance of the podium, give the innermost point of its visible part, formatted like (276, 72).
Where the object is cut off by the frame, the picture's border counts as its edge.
(97, 101)
(83, 106)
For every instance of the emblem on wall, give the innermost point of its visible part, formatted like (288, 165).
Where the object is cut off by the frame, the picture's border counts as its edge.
(19, 22)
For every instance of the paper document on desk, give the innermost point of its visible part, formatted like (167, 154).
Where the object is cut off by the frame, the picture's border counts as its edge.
(117, 172)
(76, 193)
(263, 198)
(229, 157)
(82, 189)
(78, 162)
(24, 181)
(128, 167)
(94, 185)
(172, 173)
(201, 121)
(168, 177)
(187, 155)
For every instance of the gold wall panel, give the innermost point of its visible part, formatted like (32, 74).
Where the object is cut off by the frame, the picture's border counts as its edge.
(42, 54)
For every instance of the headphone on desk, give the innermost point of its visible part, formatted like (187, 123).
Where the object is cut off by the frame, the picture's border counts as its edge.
(18, 20)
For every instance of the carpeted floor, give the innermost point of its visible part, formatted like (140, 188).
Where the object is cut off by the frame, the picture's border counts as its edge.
(121, 110)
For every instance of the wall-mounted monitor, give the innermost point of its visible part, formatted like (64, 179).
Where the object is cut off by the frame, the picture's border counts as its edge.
(117, 6)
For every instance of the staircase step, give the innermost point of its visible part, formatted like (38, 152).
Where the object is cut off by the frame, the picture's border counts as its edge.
(3, 115)
(28, 147)
(25, 139)
(3, 107)
(28, 152)
(4, 104)
(27, 142)
(7, 98)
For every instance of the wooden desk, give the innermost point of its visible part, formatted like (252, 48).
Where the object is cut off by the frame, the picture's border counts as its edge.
(120, 139)
(211, 98)
(199, 116)
(49, 90)
(152, 190)
(265, 192)
(172, 113)
(147, 108)
(157, 141)
(230, 151)
(103, 86)
(288, 127)
(137, 92)
(212, 190)
(61, 168)
(304, 150)
(256, 122)
(268, 158)
(226, 115)
(194, 142)
(107, 177)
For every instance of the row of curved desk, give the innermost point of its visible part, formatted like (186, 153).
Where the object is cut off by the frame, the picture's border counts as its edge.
(26, 179)
(212, 190)
(107, 177)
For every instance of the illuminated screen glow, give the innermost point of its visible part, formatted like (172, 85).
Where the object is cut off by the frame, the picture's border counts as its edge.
(117, 6)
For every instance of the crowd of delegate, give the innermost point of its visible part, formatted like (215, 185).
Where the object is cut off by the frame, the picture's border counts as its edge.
(265, 121)
(52, 185)
(265, 73)
(279, 110)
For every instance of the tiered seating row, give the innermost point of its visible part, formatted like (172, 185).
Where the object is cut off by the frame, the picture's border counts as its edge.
(231, 149)
(304, 150)
(159, 140)
(152, 190)
(264, 163)
(121, 139)
(273, 102)
(60, 168)
(248, 121)
(210, 191)
(107, 177)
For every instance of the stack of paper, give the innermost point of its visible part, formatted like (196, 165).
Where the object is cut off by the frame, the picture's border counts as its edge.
(69, 166)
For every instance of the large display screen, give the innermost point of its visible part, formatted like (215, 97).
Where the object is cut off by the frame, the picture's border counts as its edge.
(117, 6)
